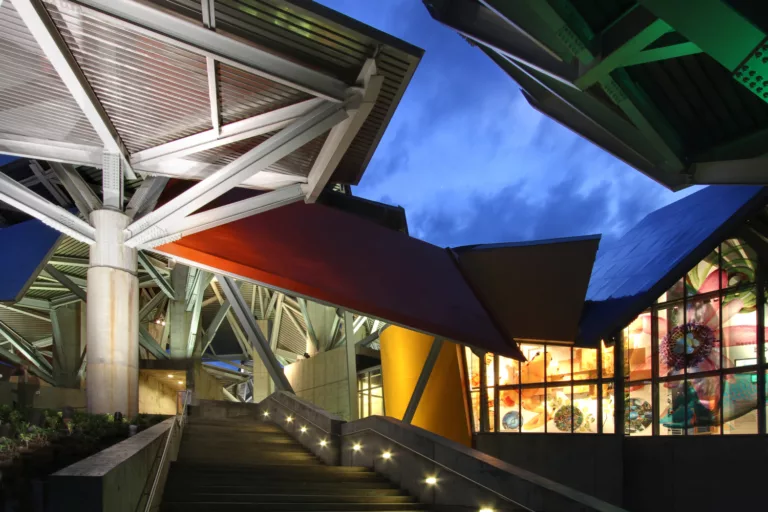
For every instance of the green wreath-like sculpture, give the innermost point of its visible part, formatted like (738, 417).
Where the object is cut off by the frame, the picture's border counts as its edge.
(638, 415)
(563, 418)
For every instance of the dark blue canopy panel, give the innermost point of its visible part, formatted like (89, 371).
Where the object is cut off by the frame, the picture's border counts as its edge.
(24, 249)
(650, 257)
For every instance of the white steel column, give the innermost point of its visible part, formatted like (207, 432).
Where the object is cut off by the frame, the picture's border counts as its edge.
(113, 319)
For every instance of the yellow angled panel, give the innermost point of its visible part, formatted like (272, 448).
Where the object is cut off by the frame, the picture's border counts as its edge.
(442, 409)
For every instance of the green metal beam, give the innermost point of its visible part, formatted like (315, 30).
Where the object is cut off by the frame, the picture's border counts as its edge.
(724, 34)
(672, 51)
(614, 58)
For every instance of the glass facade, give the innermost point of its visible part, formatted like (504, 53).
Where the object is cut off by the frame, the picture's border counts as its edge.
(558, 390)
(689, 365)
(370, 392)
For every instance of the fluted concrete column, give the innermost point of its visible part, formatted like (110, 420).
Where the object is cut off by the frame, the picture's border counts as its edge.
(112, 371)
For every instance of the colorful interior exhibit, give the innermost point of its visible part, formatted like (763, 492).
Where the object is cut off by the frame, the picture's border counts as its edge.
(690, 363)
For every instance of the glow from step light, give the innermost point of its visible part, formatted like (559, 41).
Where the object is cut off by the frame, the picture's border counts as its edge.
(266, 414)
(356, 447)
(289, 419)
(431, 480)
(486, 509)
(323, 443)
(386, 455)
(303, 430)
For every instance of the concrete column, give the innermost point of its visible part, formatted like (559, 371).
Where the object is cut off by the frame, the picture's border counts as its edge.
(67, 330)
(112, 372)
(178, 316)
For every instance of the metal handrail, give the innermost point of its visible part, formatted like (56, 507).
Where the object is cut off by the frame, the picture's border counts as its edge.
(178, 424)
(465, 477)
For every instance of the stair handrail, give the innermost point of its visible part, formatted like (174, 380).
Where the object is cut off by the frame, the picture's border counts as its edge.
(176, 426)
(434, 462)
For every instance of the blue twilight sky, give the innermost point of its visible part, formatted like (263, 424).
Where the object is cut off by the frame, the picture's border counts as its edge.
(472, 162)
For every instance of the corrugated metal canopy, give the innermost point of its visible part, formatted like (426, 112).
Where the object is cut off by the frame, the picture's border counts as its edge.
(533, 290)
(318, 252)
(646, 261)
(158, 86)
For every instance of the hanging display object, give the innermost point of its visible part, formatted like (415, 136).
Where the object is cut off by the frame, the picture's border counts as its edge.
(565, 414)
(687, 345)
(638, 415)
(511, 420)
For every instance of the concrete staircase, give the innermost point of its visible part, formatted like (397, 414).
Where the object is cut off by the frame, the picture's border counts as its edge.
(244, 464)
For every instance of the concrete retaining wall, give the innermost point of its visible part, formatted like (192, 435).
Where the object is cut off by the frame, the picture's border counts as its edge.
(112, 480)
(322, 380)
(588, 463)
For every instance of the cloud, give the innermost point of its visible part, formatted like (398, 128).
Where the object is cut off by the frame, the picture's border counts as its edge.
(472, 162)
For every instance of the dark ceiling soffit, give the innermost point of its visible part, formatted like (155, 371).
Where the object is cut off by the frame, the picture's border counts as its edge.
(640, 302)
(515, 352)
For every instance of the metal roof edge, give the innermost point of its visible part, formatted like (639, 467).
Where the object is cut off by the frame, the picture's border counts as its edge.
(545, 241)
(641, 301)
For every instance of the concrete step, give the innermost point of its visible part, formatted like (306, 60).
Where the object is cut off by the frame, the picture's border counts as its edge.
(340, 488)
(285, 498)
(292, 507)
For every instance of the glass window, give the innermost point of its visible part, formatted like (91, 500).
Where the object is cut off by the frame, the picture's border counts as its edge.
(370, 393)
(490, 373)
(638, 409)
(704, 277)
(475, 399)
(674, 293)
(509, 410)
(701, 351)
(584, 363)
(534, 412)
(608, 409)
(558, 363)
(585, 397)
(740, 403)
(474, 368)
(672, 407)
(607, 354)
(560, 414)
(671, 328)
(637, 348)
(532, 371)
(739, 331)
(491, 409)
(509, 371)
(739, 262)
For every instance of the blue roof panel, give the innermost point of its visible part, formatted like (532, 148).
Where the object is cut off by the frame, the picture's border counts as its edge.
(657, 249)
(25, 247)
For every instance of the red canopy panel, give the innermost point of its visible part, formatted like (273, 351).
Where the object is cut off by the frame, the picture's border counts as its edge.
(341, 259)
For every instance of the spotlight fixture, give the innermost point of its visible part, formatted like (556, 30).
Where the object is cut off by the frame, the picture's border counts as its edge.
(289, 419)
(323, 443)
(303, 430)
(431, 480)
(386, 455)
(356, 447)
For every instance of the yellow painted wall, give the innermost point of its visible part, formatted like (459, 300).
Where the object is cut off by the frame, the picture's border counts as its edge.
(442, 408)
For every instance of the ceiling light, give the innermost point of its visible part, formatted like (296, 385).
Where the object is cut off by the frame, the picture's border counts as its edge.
(386, 455)
(486, 509)
(170, 375)
(356, 447)
(323, 443)
(181, 382)
(162, 323)
(303, 430)
(431, 480)
(266, 414)
(289, 419)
